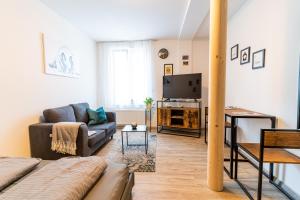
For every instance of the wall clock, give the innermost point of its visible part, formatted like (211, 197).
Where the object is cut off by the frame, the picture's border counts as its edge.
(163, 53)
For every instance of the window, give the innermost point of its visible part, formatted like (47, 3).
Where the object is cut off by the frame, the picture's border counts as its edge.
(125, 74)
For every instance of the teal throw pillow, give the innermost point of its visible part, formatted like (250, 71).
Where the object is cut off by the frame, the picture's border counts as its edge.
(96, 116)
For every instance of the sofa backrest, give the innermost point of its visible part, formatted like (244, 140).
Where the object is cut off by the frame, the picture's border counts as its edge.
(80, 111)
(61, 114)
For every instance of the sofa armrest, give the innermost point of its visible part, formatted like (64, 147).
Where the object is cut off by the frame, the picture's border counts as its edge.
(111, 116)
(40, 141)
(82, 141)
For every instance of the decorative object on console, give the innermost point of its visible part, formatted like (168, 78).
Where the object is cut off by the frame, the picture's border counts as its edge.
(58, 58)
(168, 69)
(258, 59)
(234, 52)
(245, 56)
(163, 53)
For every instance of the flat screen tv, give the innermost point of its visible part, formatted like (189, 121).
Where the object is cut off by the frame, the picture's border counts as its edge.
(184, 86)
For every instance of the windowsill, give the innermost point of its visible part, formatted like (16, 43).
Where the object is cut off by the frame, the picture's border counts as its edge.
(126, 109)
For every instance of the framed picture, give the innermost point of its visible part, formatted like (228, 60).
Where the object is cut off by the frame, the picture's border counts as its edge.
(234, 52)
(245, 56)
(185, 57)
(258, 59)
(168, 69)
(59, 58)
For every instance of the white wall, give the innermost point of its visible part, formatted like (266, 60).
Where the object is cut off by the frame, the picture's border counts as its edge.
(273, 89)
(25, 89)
(198, 63)
(201, 64)
(176, 48)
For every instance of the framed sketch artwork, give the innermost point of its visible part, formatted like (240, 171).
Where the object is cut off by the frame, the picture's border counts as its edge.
(59, 58)
(245, 56)
(258, 59)
(234, 52)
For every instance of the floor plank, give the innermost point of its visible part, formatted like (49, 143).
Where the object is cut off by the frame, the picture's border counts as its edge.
(181, 174)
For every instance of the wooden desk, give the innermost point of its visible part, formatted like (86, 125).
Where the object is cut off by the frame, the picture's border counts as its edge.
(235, 113)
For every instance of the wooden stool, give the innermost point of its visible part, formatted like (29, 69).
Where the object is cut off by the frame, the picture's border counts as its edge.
(271, 149)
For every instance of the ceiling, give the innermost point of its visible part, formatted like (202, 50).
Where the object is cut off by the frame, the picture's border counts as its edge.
(203, 29)
(119, 20)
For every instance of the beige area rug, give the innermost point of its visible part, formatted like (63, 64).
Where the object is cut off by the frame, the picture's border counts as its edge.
(134, 156)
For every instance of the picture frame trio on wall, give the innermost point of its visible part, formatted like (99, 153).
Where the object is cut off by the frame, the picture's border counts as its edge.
(258, 57)
(245, 56)
(234, 52)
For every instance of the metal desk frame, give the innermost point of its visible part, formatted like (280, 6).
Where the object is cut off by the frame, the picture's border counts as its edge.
(233, 136)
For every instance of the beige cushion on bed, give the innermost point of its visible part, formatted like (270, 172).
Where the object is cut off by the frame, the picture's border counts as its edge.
(112, 183)
(11, 169)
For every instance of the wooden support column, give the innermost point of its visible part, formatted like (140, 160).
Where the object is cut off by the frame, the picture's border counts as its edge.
(216, 102)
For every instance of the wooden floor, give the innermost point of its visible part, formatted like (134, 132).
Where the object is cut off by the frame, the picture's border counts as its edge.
(181, 174)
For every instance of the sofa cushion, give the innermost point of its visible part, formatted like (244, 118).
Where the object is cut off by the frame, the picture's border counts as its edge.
(61, 114)
(80, 110)
(96, 116)
(108, 127)
(97, 137)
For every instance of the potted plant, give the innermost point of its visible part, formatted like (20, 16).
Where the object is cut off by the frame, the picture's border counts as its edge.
(148, 101)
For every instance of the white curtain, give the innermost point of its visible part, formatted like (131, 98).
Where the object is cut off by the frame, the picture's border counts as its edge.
(125, 73)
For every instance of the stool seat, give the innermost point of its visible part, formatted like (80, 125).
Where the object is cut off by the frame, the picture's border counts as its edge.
(271, 155)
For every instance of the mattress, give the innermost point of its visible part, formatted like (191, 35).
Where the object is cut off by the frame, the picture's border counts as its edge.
(111, 185)
(114, 184)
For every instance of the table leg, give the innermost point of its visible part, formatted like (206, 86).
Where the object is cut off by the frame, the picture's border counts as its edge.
(233, 145)
(146, 142)
(150, 120)
(271, 169)
(122, 142)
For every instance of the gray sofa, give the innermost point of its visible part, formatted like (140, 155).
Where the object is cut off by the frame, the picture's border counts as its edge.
(39, 134)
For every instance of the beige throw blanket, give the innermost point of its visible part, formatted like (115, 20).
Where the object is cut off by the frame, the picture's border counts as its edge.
(64, 136)
(11, 169)
(64, 179)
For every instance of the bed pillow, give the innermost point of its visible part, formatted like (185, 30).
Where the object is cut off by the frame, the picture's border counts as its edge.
(12, 169)
(96, 116)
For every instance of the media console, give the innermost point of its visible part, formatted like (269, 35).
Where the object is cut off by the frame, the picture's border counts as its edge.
(179, 117)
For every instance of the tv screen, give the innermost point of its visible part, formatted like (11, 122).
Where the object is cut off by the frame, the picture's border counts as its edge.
(184, 86)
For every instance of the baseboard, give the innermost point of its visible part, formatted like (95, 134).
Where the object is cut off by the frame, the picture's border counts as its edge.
(120, 126)
(287, 189)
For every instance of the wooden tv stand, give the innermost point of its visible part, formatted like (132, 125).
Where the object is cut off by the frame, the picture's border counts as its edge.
(182, 120)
